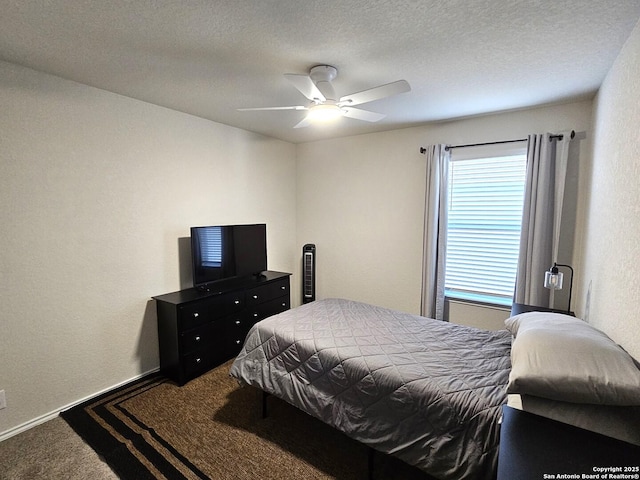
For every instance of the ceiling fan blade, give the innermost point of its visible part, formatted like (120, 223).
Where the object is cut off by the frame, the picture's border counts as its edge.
(305, 122)
(297, 107)
(306, 86)
(375, 93)
(360, 114)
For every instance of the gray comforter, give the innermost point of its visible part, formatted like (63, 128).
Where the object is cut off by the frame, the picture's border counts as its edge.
(426, 391)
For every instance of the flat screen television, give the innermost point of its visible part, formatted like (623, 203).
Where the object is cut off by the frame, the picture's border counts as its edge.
(227, 251)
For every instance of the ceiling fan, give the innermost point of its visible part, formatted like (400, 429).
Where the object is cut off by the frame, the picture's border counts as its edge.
(325, 105)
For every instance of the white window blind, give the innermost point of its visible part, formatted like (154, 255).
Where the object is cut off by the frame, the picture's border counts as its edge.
(485, 213)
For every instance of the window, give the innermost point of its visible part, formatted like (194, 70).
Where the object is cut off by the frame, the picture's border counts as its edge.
(486, 195)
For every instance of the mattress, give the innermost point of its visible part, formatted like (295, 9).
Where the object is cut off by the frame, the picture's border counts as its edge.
(426, 391)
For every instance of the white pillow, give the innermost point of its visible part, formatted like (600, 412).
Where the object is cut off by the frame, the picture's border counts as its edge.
(563, 358)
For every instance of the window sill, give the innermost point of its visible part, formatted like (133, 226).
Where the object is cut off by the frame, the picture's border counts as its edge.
(475, 298)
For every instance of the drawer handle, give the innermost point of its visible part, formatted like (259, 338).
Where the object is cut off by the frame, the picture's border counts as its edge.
(238, 342)
(237, 322)
(255, 314)
(236, 302)
(255, 296)
(283, 287)
(196, 315)
(197, 339)
(198, 360)
(284, 304)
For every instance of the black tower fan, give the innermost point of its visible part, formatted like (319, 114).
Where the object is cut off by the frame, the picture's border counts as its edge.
(308, 273)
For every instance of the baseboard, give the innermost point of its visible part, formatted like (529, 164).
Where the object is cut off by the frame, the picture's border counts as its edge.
(53, 414)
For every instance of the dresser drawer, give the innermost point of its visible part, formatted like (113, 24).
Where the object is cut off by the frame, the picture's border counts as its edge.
(194, 314)
(197, 362)
(231, 303)
(266, 309)
(237, 325)
(267, 292)
(203, 336)
(234, 345)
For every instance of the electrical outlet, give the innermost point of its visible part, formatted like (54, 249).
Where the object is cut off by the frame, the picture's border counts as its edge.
(3, 400)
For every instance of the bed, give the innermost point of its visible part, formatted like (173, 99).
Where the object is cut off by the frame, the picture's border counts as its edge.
(430, 392)
(426, 391)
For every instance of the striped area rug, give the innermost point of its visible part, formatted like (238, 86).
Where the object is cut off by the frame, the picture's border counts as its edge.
(211, 428)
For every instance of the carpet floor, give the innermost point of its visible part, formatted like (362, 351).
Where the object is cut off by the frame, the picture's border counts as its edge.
(211, 428)
(51, 451)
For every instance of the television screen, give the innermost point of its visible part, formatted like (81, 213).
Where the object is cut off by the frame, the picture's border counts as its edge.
(226, 251)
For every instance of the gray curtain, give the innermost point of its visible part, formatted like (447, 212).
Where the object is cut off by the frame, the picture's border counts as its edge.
(541, 216)
(435, 232)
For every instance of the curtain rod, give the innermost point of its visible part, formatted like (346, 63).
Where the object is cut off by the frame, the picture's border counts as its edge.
(551, 138)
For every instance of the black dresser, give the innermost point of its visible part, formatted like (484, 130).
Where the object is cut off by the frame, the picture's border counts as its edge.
(200, 330)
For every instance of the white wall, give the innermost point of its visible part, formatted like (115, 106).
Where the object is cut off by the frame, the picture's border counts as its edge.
(361, 200)
(487, 317)
(610, 283)
(96, 191)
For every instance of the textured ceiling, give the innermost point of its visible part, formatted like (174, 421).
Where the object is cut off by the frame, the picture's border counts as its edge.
(211, 57)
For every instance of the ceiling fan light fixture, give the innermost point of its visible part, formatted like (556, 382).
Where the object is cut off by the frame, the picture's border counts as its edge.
(325, 106)
(324, 113)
